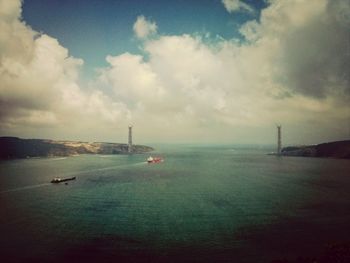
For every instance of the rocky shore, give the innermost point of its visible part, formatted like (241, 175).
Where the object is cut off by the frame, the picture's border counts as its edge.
(13, 147)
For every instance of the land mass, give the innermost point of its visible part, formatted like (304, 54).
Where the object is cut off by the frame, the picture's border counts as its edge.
(13, 148)
(338, 149)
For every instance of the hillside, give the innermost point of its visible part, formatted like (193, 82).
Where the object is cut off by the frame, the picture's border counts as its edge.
(338, 149)
(13, 147)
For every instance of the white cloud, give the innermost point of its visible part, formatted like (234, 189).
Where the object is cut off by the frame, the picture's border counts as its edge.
(244, 85)
(132, 78)
(40, 83)
(308, 38)
(10, 10)
(293, 70)
(143, 27)
(236, 5)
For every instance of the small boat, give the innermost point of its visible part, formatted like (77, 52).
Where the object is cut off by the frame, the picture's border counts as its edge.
(57, 180)
(154, 159)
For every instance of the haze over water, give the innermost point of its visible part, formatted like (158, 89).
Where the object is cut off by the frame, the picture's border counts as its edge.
(204, 204)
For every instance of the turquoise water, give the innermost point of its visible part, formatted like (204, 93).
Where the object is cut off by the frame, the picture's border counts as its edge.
(203, 204)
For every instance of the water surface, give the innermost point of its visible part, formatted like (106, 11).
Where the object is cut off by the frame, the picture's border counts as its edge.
(203, 204)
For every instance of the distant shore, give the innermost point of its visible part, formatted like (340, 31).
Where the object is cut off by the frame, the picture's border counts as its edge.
(14, 148)
(338, 149)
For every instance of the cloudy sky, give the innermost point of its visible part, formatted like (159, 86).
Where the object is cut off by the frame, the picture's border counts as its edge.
(180, 71)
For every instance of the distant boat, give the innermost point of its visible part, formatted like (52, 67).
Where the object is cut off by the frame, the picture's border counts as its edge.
(154, 159)
(57, 180)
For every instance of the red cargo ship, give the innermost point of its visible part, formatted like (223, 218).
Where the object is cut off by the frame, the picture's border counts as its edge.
(154, 159)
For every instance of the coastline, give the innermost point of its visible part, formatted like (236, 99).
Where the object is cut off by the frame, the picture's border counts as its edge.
(337, 149)
(17, 148)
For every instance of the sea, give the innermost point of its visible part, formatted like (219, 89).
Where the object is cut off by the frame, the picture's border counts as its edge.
(204, 203)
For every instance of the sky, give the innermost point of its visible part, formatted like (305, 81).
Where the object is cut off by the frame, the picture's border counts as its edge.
(209, 71)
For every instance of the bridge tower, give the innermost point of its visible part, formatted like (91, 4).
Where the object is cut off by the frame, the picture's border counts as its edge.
(279, 139)
(130, 139)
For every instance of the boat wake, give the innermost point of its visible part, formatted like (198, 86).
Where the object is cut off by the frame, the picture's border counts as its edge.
(58, 159)
(115, 167)
(72, 174)
(24, 188)
(103, 169)
(110, 168)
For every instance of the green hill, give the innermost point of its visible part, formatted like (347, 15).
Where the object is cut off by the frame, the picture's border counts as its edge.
(13, 147)
(338, 149)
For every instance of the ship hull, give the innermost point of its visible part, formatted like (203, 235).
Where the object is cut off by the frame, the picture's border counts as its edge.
(154, 160)
(60, 180)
